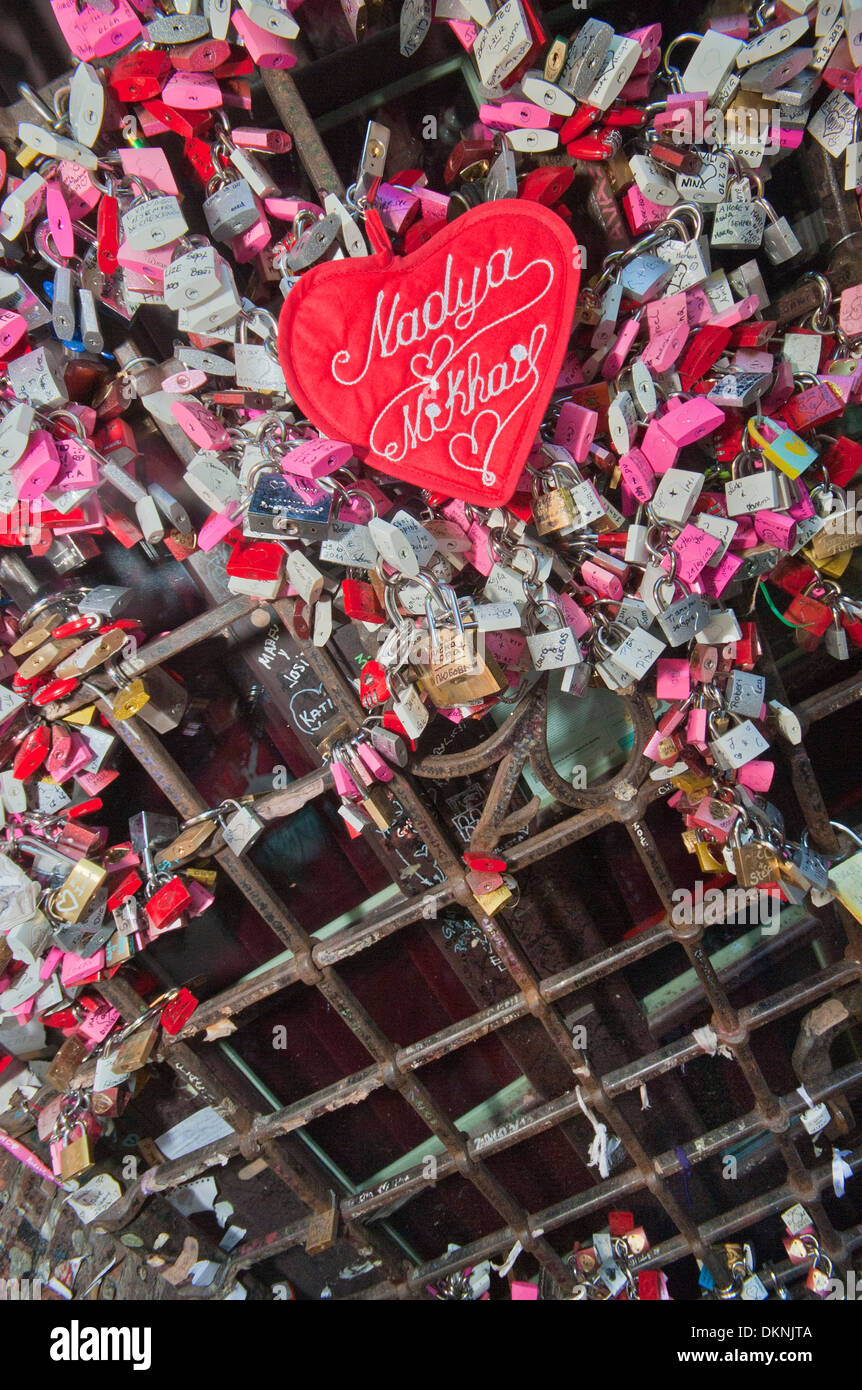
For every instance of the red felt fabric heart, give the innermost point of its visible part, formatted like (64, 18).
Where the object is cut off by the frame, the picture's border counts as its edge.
(437, 366)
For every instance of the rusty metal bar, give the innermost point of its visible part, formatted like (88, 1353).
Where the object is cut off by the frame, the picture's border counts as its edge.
(352, 1089)
(596, 1198)
(293, 114)
(169, 777)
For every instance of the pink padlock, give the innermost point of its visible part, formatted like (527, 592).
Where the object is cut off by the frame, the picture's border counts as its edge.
(266, 49)
(202, 427)
(648, 37)
(660, 451)
(697, 307)
(601, 581)
(182, 382)
(377, 766)
(514, 115)
(216, 527)
(465, 31)
(668, 313)
(253, 240)
(804, 508)
(638, 87)
(510, 650)
(738, 313)
(756, 776)
(693, 549)
(286, 209)
(152, 263)
(575, 617)
(576, 428)
(435, 206)
(201, 897)
(570, 372)
(13, 326)
(783, 387)
(90, 33)
(344, 783)
(753, 360)
(737, 26)
(642, 214)
(621, 348)
(694, 419)
(50, 963)
(38, 468)
(269, 141)
(316, 458)
(638, 474)
(78, 466)
(715, 579)
(661, 352)
(196, 91)
(695, 729)
(776, 528)
(149, 165)
(653, 750)
(79, 191)
(73, 969)
(745, 536)
(398, 207)
(59, 220)
(673, 678)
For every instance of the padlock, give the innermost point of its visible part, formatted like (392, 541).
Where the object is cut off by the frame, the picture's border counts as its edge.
(555, 648)
(314, 244)
(288, 508)
(552, 505)
(229, 208)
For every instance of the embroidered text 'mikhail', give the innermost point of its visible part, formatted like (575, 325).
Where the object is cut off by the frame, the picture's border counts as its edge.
(455, 382)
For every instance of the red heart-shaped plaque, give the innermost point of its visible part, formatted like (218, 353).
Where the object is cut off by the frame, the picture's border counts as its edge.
(437, 366)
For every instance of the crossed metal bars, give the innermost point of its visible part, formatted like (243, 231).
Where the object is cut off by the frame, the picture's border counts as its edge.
(312, 963)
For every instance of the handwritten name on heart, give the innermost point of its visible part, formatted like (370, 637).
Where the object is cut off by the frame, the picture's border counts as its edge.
(438, 366)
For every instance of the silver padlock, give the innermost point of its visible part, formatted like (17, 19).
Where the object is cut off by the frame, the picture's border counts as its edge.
(257, 365)
(738, 226)
(314, 243)
(780, 242)
(585, 57)
(229, 208)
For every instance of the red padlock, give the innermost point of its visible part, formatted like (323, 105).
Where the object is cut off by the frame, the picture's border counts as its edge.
(32, 753)
(127, 888)
(178, 1011)
(54, 690)
(107, 235)
(360, 601)
(168, 903)
(373, 685)
(140, 75)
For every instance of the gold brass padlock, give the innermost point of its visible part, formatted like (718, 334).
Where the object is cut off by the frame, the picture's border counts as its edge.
(76, 1155)
(66, 1061)
(73, 897)
(458, 674)
(134, 1052)
(47, 656)
(130, 700)
(707, 860)
(93, 653)
(207, 877)
(378, 806)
